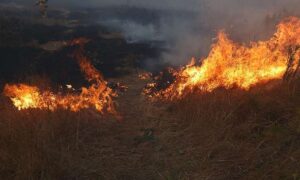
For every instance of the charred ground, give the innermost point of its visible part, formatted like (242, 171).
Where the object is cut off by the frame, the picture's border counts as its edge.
(30, 48)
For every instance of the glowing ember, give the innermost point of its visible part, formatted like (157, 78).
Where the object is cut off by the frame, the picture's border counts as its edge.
(145, 76)
(98, 95)
(230, 65)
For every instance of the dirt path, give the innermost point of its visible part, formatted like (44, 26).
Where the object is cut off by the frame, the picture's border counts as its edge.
(135, 108)
(142, 132)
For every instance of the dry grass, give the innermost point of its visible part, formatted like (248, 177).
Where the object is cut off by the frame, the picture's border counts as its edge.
(222, 135)
(46, 145)
(242, 135)
(63, 145)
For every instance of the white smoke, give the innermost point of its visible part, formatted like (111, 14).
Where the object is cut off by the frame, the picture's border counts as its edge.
(190, 30)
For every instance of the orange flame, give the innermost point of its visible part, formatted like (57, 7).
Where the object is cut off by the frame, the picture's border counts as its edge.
(98, 95)
(231, 65)
(145, 76)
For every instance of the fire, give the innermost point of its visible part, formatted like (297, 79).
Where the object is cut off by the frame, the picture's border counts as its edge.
(231, 65)
(145, 76)
(98, 95)
(27, 96)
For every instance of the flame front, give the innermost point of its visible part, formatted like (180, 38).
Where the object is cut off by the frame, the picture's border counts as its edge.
(230, 65)
(25, 96)
(98, 95)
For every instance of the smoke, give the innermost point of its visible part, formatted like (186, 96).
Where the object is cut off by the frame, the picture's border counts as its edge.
(135, 32)
(154, 4)
(243, 20)
(187, 27)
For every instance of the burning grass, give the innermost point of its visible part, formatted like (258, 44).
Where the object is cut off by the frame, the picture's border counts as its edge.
(231, 65)
(232, 123)
(98, 95)
(226, 134)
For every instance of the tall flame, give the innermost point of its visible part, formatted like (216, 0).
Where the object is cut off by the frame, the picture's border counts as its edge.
(230, 65)
(98, 95)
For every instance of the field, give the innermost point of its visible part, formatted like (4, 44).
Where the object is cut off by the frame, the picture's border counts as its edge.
(223, 134)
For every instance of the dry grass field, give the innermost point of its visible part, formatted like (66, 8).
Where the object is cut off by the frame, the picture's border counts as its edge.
(221, 135)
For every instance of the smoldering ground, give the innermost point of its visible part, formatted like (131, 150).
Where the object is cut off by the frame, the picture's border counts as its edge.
(186, 28)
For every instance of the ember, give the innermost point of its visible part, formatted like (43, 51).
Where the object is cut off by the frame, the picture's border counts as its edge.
(145, 76)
